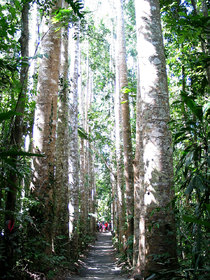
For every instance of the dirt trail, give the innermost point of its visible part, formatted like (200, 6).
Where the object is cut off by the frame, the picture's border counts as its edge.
(100, 263)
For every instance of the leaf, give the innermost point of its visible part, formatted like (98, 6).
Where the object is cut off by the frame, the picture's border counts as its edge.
(189, 188)
(19, 153)
(195, 109)
(176, 102)
(125, 90)
(206, 108)
(151, 277)
(132, 95)
(208, 207)
(177, 136)
(77, 6)
(83, 134)
(188, 159)
(7, 115)
(195, 183)
(194, 220)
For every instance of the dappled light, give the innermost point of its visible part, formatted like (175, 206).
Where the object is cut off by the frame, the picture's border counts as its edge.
(104, 119)
(101, 261)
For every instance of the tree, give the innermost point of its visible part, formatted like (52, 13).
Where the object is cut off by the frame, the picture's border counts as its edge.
(73, 143)
(84, 98)
(138, 175)
(61, 190)
(77, 184)
(157, 244)
(126, 129)
(119, 161)
(44, 130)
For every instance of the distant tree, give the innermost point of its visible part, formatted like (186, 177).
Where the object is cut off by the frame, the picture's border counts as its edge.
(120, 194)
(138, 173)
(126, 128)
(84, 100)
(73, 143)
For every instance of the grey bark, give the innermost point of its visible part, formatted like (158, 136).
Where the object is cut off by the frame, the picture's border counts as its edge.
(138, 174)
(61, 191)
(119, 159)
(44, 131)
(126, 129)
(156, 221)
(73, 145)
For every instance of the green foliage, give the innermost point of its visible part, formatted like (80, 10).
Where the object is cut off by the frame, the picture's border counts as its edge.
(7, 115)
(83, 134)
(64, 16)
(77, 6)
(9, 25)
(103, 191)
(71, 15)
(184, 33)
(130, 31)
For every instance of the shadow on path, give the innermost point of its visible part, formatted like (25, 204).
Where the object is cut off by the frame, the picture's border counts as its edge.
(100, 263)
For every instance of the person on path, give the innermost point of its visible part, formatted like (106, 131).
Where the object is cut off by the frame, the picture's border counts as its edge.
(103, 226)
(106, 226)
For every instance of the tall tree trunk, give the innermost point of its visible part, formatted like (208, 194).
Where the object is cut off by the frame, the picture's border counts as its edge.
(138, 176)
(114, 214)
(61, 191)
(113, 180)
(113, 177)
(157, 246)
(126, 129)
(84, 194)
(92, 191)
(119, 159)
(88, 156)
(73, 146)
(44, 131)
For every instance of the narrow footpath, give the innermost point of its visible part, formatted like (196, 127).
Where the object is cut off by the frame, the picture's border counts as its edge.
(100, 263)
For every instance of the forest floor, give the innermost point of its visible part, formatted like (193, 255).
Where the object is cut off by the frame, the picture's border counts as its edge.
(100, 263)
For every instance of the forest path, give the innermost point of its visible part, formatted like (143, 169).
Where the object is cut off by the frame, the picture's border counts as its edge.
(100, 263)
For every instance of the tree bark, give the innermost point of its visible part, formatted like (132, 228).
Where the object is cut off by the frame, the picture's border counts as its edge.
(61, 191)
(84, 194)
(126, 129)
(44, 131)
(138, 176)
(88, 156)
(157, 246)
(73, 146)
(92, 191)
(119, 160)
